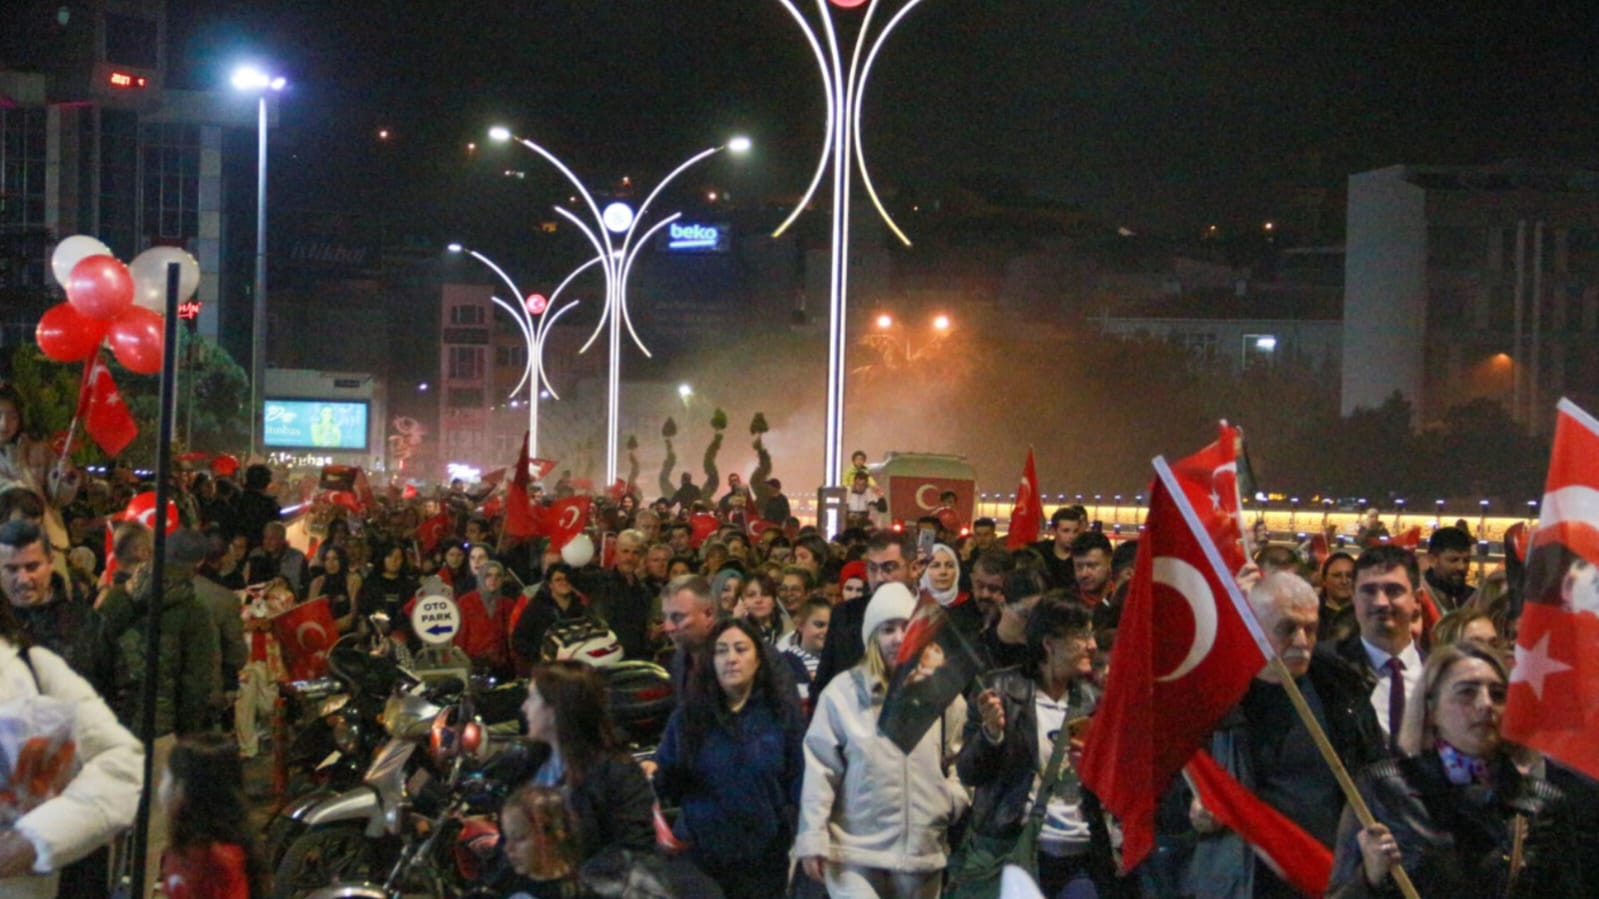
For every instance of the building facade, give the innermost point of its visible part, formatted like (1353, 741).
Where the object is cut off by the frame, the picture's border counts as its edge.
(1466, 283)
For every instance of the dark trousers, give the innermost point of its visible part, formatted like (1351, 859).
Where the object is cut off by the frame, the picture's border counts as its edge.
(764, 877)
(1065, 878)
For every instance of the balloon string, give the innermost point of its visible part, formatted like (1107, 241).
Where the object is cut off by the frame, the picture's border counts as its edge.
(72, 429)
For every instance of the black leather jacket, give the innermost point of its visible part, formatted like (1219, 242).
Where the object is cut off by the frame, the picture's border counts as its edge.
(1456, 841)
(1002, 774)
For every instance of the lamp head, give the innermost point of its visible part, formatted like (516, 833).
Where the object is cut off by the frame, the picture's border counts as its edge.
(251, 78)
(455, 248)
(500, 133)
(739, 145)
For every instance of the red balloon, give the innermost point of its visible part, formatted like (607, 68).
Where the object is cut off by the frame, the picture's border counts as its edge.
(65, 335)
(142, 509)
(100, 287)
(137, 340)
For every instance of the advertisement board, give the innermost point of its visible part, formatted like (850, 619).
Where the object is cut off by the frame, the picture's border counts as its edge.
(314, 423)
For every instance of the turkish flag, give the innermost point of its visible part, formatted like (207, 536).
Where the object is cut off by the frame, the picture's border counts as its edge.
(566, 518)
(1027, 516)
(617, 490)
(1553, 704)
(701, 527)
(306, 632)
(432, 531)
(102, 410)
(521, 518)
(1169, 685)
(1209, 479)
(541, 467)
(1409, 538)
(1296, 856)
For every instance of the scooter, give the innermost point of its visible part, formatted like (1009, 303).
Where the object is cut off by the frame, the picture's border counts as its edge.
(348, 836)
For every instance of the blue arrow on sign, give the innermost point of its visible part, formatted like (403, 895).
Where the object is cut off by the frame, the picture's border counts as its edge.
(438, 629)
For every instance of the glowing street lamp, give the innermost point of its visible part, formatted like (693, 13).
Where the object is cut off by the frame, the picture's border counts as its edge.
(531, 320)
(251, 79)
(842, 149)
(614, 234)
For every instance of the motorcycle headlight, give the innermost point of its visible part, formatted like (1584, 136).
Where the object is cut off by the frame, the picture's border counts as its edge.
(347, 735)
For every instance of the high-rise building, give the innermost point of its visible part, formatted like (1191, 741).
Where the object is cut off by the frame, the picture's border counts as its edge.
(1467, 283)
(94, 142)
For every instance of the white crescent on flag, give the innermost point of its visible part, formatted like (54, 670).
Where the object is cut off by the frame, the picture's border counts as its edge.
(922, 502)
(569, 517)
(1195, 590)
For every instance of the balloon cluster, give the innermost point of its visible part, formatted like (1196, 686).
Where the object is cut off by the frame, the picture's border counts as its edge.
(111, 302)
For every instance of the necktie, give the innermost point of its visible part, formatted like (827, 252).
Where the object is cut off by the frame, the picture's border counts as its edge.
(1396, 701)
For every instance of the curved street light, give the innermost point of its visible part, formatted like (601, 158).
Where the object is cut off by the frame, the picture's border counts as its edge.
(842, 149)
(615, 235)
(535, 326)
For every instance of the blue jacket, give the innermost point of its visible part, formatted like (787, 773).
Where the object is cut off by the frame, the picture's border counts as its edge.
(740, 792)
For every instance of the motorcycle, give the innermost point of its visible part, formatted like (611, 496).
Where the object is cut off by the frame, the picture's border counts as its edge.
(331, 749)
(347, 836)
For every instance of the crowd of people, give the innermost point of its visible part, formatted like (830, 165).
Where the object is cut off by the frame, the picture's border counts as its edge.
(783, 644)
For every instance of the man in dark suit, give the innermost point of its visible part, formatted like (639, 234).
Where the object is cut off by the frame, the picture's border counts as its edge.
(1384, 652)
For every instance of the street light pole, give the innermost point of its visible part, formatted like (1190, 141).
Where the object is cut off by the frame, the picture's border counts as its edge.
(616, 254)
(249, 78)
(534, 333)
(842, 149)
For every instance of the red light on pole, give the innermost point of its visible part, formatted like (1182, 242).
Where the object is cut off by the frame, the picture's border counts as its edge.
(537, 303)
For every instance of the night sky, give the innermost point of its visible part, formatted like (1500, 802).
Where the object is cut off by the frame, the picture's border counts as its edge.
(1163, 116)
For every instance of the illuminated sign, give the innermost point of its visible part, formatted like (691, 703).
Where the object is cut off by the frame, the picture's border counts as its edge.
(189, 310)
(128, 80)
(320, 424)
(696, 237)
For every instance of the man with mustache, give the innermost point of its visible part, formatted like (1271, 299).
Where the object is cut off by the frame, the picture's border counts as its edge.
(1264, 744)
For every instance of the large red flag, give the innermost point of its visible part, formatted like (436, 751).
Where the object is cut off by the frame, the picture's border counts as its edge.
(104, 415)
(566, 518)
(1027, 516)
(1553, 704)
(306, 632)
(521, 519)
(1296, 856)
(1168, 686)
(1209, 479)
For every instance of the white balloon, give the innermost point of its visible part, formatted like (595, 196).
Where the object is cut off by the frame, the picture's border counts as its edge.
(149, 271)
(579, 551)
(72, 251)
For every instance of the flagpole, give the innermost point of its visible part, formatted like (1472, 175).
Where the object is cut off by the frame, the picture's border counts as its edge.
(1357, 803)
(77, 414)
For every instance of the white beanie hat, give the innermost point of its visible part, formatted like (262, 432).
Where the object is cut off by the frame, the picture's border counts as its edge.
(892, 600)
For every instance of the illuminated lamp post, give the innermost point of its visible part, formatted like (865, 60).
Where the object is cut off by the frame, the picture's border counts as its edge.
(252, 79)
(614, 234)
(533, 318)
(841, 148)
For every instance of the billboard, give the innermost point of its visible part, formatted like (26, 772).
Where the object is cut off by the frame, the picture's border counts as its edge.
(318, 424)
(696, 237)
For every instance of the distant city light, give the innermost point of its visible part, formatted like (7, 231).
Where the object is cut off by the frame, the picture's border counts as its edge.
(885, 321)
(383, 134)
(423, 387)
(685, 391)
(1265, 343)
(941, 323)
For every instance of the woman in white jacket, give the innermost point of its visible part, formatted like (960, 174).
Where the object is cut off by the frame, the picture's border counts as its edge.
(873, 819)
(98, 803)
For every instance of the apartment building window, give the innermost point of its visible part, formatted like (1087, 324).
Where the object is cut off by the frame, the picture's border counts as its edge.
(465, 363)
(171, 188)
(22, 158)
(466, 315)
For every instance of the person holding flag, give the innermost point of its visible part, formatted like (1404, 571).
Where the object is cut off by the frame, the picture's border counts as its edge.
(1456, 809)
(1268, 751)
(1015, 753)
(873, 815)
